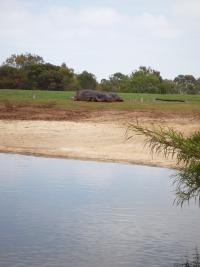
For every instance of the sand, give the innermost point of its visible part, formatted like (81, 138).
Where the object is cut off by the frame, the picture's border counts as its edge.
(92, 139)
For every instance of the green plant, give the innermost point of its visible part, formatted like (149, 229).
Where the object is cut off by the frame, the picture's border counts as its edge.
(186, 150)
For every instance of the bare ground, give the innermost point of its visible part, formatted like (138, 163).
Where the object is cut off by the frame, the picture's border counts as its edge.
(83, 134)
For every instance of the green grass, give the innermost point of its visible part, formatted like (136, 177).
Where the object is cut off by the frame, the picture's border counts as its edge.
(133, 101)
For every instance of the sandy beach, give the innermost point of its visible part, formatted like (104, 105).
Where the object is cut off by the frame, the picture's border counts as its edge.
(94, 138)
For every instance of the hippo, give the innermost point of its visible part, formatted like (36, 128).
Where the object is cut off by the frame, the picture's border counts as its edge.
(97, 96)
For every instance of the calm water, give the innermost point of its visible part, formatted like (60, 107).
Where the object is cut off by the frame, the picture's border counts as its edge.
(67, 213)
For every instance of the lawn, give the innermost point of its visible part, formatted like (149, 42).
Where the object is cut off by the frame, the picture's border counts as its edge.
(60, 99)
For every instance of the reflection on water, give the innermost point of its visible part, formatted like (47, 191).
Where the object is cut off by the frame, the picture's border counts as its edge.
(191, 262)
(60, 213)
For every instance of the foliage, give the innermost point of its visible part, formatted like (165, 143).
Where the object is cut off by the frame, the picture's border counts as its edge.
(87, 80)
(28, 71)
(185, 149)
(69, 78)
(146, 80)
(22, 60)
(168, 87)
(119, 82)
(12, 78)
(187, 84)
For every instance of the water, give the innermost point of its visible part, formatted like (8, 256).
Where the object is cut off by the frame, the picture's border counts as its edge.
(67, 213)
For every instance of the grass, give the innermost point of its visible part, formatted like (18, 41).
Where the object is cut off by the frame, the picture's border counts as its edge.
(133, 101)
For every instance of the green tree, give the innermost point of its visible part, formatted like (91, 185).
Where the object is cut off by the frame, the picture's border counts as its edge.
(22, 60)
(31, 72)
(186, 84)
(185, 149)
(145, 80)
(45, 77)
(105, 85)
(12, 78)
(70, 81)
(87, 80)
(51, 80)
(198, 86)
(118, 82)
(168, 87)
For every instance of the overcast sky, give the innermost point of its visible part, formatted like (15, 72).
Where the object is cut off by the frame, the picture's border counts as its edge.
(105, 36)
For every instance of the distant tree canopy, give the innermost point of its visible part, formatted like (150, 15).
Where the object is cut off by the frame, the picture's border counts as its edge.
(148, 80)
(22, 60)
(187, 84)
(27, 71)
(87, 80)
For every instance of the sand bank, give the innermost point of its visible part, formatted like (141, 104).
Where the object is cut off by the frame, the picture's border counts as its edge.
(91, 140)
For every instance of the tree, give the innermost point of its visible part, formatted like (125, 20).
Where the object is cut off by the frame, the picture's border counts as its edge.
(168, 87)
(185, 149)
(145, 80)
(26, 70)
(12, 78)
(70, 81)
(22, 60)
(51, 80)
(30, 71)
(118, 82)
(87, 80)
(105, 85)
(186, 84)
(45, 77)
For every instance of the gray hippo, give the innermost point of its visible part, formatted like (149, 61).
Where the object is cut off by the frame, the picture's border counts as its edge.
(97, 96)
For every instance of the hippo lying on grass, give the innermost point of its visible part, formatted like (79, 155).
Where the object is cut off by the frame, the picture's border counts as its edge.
(96, 96)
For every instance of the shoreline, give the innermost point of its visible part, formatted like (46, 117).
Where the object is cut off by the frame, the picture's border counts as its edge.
(102, 137)
(86, 140)
(88, 159)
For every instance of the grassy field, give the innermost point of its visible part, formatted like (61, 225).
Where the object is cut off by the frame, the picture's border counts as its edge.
(132, 101)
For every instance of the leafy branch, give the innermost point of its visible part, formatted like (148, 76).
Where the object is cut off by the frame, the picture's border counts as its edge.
(173, 144)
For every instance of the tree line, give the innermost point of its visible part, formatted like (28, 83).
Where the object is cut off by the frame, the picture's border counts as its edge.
(27, 71)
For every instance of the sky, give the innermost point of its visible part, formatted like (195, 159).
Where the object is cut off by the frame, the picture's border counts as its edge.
(105, 36)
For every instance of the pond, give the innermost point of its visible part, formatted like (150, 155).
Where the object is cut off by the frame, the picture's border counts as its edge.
(70, 213)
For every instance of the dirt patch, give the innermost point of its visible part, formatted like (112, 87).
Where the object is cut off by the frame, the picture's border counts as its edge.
(41, 112)
(92, 140)
(49, 112)
(85, 134)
